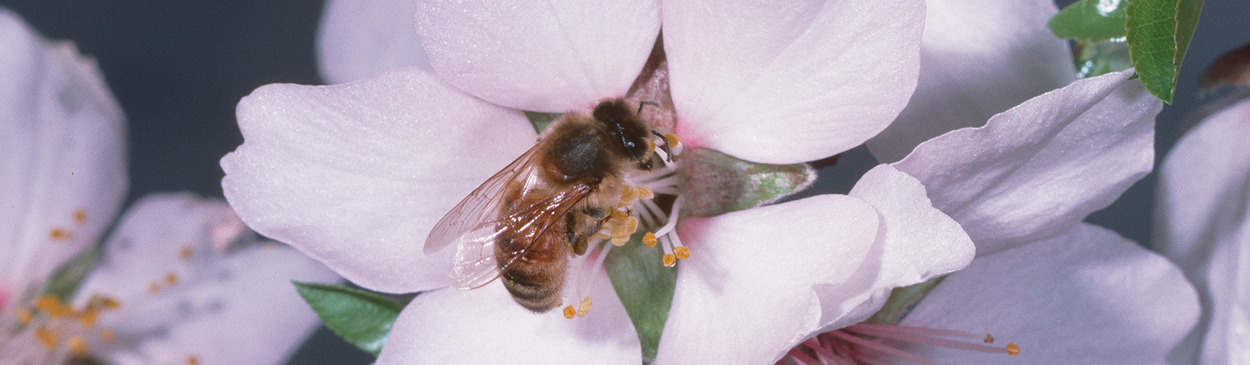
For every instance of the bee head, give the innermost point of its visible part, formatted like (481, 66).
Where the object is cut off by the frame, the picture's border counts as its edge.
(624, 127)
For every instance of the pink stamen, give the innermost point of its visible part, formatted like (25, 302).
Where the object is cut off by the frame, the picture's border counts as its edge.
(856, 343)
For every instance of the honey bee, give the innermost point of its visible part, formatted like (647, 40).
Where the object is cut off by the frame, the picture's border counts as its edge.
(525, 222)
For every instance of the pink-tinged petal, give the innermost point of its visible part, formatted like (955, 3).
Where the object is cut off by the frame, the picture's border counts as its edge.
(181, 296)
(548, 56)
(358, 38)
(485, 326)
(62, 155)
(356, 175)
(786, 82)
(916, 242)
(752, 285)
(1086, 297)
(1201, 223)
(977, 58)
(1037, 170)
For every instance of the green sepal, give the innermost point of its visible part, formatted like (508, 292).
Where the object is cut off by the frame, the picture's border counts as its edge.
(541, 120)
(902, 300)
(1090, 20)
(714, 183)
(1158, 34)
(1098, 58)
(645, 287)
(360, 317)
(68, 278)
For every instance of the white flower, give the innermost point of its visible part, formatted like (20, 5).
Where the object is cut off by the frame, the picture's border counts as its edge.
(357, 174)
(168, 287)
(1201, 223)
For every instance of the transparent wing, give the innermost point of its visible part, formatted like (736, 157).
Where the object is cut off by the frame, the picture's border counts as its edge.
(475, 224)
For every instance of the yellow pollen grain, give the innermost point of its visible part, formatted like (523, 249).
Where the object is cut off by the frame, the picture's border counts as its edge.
(193, 360)
(671, 139)
(80, 216)
(670, 260)
(51, 306)
(1013, 349)
(109, 303)
(569, 312)
(77, 346)
(171, 278)
(58, 234)
(88, 317)
(186, 253)
(649, 239)
(989, 338)
(584, 308)
(46, 337)
(682, 252)
(645, 193)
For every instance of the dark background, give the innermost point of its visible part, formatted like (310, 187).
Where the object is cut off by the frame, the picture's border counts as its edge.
(179, 67)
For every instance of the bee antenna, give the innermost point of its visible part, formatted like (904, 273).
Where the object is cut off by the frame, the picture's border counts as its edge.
(668, 149)
(651, 103)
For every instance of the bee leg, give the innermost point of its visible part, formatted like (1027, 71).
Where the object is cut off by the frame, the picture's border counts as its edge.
(581, 230)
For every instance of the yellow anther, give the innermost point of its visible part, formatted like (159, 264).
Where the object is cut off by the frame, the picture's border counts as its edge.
(618, 215)
(154, 287)
(88, 317)
(1013, 349)
(619, 241)
(628, 196)
(77, 346)
(619, 230)
(24, 316)
(645, 193)
(58, 234)
(46, 337)
(670, 260)
(583, 308)
(989, 338)
(107, 335)
(171, 278)
(631, 224)
(569, 312)
(51, 306)
(649, 239)
(80, 216)
(603, 235)
(109, 303)
(671, 139)
(193, 360)
(682, 252)
(186, 253)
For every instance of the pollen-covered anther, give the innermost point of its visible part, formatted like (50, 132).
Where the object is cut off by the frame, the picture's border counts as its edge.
(58, 234)
(569, 312)
(80, 216)
(671, 139)
(1013, 349)
(645, 193)
(649, 239)
(670, 260)
(47, 338)
(681, 252)
(171, 278)
(77, 346)
(584, 307)
(51, 306)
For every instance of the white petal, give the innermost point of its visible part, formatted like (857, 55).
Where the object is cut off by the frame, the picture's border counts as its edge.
(550, 56)
(787, 82)
(977, 58)
(358, 38)
(357, 174)
(485, 326)
(917, 242)
(62, 155)
(749, 290)
(1201, 223)
(181, 298)
(1038, 169)
(1089, 296)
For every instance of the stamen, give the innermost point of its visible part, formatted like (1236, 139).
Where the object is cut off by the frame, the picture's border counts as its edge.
(77, 346)
(669, 258)
(847, 345)
(649, 239)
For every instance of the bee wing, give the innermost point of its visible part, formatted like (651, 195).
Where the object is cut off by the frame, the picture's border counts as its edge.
(478, 211)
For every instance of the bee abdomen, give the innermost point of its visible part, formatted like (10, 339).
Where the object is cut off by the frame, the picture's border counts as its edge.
(533, 287)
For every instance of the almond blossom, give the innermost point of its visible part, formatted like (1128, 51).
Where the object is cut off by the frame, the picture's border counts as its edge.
(356, 174)
(179, 280)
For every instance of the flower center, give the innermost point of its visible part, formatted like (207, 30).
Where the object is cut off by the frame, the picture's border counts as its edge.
(48, 331)
(638, 209)
(863, 343)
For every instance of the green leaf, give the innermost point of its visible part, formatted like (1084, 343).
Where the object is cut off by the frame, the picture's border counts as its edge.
(1158, 34)
(645, 287)
(541, 120)
(1090, 20)
(1097, 58)
(902, 300)
(360, 317)
(715, 183)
